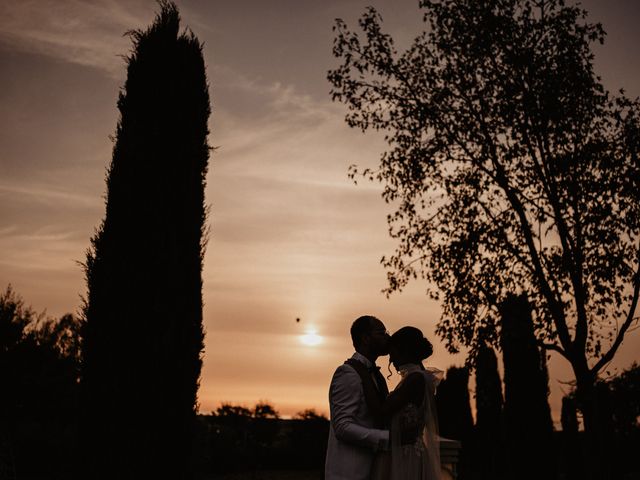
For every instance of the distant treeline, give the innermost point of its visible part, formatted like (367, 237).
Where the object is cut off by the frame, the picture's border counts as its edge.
(235, 438)
(40, 361)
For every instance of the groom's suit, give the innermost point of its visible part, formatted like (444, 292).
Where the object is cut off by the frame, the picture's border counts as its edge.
(353, 438)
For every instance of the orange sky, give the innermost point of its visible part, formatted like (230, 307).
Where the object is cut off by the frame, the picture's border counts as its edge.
(291, 235)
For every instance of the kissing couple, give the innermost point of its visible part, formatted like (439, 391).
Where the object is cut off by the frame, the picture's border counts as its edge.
(374, 434)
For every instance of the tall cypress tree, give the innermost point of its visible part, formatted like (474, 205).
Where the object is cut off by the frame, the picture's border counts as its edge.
(573, 463)
(454, 413)
(143, 334)
(528, 425)
(488, 413)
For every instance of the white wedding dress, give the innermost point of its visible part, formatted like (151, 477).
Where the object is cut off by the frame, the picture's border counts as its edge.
(414, 445)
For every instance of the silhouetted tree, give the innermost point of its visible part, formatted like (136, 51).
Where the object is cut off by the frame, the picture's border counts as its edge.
(569, 416)
(308, 439)
(233, 444)
(512, 169)
(488, 427)
(39, 369)
(238, 438)
(454, 413)
(570, 439)
(625, 400)
(620, 420)
(310, 414)
(228, 410)
(265, 410)
(528, 425)
(143, 338)
(619, 402)
(265, 428)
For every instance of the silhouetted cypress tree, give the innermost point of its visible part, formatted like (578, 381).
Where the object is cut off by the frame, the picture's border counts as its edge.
(143, 337)
(570, 440)
(488, 414)
(528, 425)
(569, 416)
(454, 413)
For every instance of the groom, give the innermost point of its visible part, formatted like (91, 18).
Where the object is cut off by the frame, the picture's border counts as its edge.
(353, 436)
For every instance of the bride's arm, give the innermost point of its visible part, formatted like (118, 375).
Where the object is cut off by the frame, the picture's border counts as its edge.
(412, 389)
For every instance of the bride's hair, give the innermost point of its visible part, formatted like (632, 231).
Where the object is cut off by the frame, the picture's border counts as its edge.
(413, 342)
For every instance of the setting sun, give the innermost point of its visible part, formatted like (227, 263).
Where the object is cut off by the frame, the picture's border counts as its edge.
(311, 338)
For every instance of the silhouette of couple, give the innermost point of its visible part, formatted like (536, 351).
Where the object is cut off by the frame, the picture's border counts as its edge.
(374, 434)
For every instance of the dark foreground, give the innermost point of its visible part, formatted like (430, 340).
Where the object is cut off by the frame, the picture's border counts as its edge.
(268, 475)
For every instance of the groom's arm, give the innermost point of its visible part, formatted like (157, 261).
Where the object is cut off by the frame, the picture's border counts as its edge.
(344, 399)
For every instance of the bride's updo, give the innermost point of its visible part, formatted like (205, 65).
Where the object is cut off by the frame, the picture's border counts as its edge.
(413, 343)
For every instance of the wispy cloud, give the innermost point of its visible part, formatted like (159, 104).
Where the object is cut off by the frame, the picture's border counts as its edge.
(277, 98)
(287, 134)
(49, 248)
(84, 32)
(48, 194)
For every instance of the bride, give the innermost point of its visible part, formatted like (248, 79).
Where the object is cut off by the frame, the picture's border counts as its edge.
(409, 410)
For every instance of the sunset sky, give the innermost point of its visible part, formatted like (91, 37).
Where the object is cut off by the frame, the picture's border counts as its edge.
(292, 236)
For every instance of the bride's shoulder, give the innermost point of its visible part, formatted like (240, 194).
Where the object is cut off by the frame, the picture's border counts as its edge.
(414, 379)
(433, 375)
(418, 374)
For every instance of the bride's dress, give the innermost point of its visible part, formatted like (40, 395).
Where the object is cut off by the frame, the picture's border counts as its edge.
(415, 450)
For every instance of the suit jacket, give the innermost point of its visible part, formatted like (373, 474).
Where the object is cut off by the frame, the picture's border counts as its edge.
(353, 440)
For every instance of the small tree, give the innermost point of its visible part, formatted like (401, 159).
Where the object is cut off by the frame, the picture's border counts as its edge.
(625, 400)
(310, 414)
(453, 406)
(488, 430)
(265, 429)
(618, 416)
(528, 425)
(512, 169)
(265, 410)
(228, 410)
(570, 439)
(308, 440)
(39, 369)
(143, 338)
(569, 416)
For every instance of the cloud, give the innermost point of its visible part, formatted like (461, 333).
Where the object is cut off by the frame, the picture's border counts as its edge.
(285, 134)
(88, 33)
(49, 248)
(46, 194)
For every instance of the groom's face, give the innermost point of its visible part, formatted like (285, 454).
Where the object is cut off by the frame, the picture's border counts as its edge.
(379, 338)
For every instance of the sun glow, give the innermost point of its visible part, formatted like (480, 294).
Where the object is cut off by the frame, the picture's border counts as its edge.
(311, 338)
